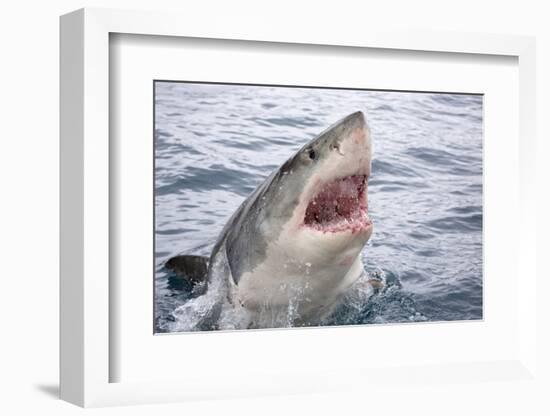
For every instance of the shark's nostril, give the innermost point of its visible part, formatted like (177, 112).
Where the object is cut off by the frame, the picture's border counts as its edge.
(337, 148)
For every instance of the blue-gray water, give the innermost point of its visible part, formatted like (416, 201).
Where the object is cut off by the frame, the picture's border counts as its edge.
(215, 143)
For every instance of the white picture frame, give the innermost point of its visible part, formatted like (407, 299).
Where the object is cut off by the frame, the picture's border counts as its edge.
(85, 164)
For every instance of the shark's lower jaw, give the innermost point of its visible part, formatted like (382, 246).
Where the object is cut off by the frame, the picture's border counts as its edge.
(340, 206)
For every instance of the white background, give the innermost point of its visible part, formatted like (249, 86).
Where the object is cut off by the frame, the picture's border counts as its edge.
(28, 216)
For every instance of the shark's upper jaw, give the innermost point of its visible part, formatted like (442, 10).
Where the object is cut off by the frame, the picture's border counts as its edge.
(340, 206)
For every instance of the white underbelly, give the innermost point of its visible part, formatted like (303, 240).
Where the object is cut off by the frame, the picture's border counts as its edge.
(307, 291)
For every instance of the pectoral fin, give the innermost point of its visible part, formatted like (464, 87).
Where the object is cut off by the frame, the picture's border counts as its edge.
(193, 269)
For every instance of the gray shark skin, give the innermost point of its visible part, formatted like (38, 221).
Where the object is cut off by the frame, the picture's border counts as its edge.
(292, 249)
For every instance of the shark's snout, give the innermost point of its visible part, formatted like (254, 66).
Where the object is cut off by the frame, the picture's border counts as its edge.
(348, 136)
(356, 119)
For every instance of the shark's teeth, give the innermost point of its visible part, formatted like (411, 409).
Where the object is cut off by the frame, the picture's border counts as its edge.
(341, 205)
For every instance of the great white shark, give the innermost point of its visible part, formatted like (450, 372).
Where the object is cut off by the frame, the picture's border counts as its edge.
(292, 248)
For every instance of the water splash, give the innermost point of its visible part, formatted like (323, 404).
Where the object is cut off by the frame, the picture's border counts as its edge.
(376, 297)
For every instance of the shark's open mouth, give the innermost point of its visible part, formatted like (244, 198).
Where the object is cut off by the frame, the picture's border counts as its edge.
(341, 205)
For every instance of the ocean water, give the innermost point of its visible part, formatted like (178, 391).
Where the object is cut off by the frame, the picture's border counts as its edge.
(215, 143)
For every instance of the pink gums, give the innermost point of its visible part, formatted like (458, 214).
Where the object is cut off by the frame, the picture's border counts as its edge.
(341, 205)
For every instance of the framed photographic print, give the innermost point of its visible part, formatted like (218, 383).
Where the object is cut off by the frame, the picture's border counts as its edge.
(293, 202)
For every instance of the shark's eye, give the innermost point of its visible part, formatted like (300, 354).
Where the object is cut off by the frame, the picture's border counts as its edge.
(312, 154)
